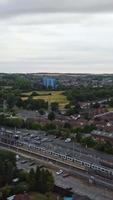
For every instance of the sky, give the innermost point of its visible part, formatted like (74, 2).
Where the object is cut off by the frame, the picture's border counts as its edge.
(56, 36)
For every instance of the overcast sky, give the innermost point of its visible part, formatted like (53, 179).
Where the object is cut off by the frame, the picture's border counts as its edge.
(56, 36)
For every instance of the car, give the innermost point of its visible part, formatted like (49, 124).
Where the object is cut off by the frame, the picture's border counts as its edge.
(24, 161)
(41, 166)
(57, 136)
(67, 140)
(50, 162)
(17, 157)
(50, 140)
(45, 134)
(31, 164)
(70, 188)
(33, 136)
(44, 139)
(65, 175)
(37, 142)
(59, 172)
(37, 138)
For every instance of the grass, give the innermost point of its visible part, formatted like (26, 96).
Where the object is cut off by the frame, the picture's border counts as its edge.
(37, 196)
(56, 96)
(110, 109)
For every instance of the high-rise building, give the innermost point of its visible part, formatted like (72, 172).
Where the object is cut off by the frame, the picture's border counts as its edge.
(49, 82)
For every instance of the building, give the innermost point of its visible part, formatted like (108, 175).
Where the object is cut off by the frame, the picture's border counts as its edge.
(102, 136)
(49, 82)
(19, 197)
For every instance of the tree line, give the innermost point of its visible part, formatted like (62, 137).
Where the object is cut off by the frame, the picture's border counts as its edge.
(40, 180)
(7, 167)
(89, 93)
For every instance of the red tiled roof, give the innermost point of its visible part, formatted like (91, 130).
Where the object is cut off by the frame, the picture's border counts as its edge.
(22, 197)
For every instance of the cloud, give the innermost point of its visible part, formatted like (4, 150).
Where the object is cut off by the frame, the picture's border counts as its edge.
(15, 7)
(32, 43)
(56, 36)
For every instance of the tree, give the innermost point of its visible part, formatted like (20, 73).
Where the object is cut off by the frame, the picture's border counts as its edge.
(37, 178)
(23, 176)
(9, 156)
(78, 137)
(11, 100)
(6, 191)
(50, 181)
(7, 167)
(96, 105)
(73, 110)
(40, 181)
(36, 104)
(32, 180)
(54, 106)
(9, 171)
(22, 83)
(15, 122)
(34, 94)
(67, 125)
(51, 116)
(68, 106)
(50, 126)
(104, 147)
(41, 111)
(89, 128)
(88, 141)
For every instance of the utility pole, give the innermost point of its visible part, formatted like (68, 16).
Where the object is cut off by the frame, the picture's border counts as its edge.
(4, 106)
(73, 149)
(73, 145)
(49, 104)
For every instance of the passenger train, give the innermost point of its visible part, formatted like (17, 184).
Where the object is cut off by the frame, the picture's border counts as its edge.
(103, 171)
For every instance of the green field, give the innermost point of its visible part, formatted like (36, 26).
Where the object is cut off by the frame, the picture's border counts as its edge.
(56, 96)
(110, 109)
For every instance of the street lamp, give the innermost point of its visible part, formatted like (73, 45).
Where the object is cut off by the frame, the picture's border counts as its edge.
(73, 138)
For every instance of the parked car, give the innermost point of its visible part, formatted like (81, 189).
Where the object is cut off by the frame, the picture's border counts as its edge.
(65, 175)
(31, 164)
(59, 172)
(24, 161)
(67, 140)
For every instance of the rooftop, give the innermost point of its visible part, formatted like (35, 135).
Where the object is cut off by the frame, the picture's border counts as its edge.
(102, 133)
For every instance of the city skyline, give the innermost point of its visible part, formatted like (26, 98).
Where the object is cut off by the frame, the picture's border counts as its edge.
(64, 37)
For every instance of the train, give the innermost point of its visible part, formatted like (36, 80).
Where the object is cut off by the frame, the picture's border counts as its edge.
(100, 170)
(107, 163)
(74, 162)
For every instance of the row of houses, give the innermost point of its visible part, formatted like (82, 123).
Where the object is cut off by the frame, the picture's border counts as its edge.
(102, 136)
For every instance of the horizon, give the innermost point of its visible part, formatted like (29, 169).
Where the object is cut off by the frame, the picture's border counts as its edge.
(58, 73)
